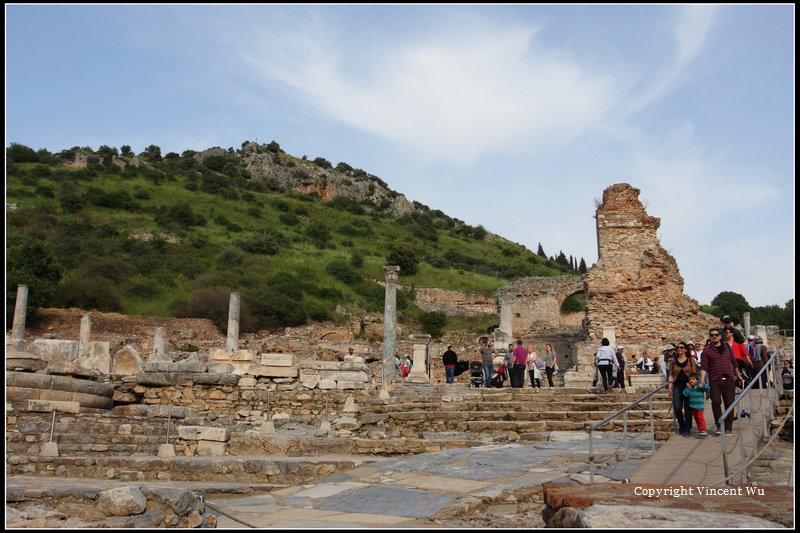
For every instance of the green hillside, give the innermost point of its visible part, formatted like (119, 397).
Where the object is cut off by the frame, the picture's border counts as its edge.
(208, 226)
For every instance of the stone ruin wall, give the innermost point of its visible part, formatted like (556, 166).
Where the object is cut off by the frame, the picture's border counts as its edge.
(535, 302)
(455, 303)
(636, 286)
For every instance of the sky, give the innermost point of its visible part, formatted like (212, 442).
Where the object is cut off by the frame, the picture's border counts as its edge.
(512, 117)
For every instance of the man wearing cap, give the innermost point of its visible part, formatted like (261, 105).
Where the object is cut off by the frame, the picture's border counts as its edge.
(449, 360)
(759, 358)
(620, 384)
(727, 323)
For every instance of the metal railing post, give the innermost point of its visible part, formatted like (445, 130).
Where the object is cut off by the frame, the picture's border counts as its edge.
(52, 425)
(591, 458)
(652, 427)
(625, 435)
(169, 420)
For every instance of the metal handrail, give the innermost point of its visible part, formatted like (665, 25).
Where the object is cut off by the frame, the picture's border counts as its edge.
(624, 410)
(775, 389)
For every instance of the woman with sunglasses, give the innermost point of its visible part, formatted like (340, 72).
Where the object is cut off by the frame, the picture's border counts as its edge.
(679, 369)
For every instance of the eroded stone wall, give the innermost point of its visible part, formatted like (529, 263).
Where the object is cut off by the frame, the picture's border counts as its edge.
(536, 302)
(455, 303)
(636, 286)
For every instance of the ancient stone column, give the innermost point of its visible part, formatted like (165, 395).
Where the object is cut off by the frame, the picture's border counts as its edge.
(506, 315)
(159, 342)
(86, 333)
(389, 325)
(18, 328)
(761, 331)
(233, 323)
(746, 317)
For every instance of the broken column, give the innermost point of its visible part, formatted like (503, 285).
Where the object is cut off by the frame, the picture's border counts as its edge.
(18, 329)
(419, 373)
(85, 335)
(389, 325)
(159, 343)
(232, 343)
(746, 318)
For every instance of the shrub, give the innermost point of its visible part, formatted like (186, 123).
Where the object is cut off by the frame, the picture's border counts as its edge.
(206, 302)
(179, 215)
(289, 219)
(96, 293)
(405, 258)
(342, 271)
(319, 234)
(322, 162)
(357, 258)
(35, 264)
(263, 243)
(110, 268)
(433, 323)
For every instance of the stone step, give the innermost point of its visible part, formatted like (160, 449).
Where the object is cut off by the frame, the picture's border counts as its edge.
(519, 406)
(564, 425)
(460, 416)
(261, 469)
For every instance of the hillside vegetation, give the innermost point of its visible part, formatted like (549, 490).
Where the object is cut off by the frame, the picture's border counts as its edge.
(172, 235)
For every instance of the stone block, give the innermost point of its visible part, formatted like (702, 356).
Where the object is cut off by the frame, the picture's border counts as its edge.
(210, 448)
(97, 356)
(346, 423)
(127, 361)
(277, 359)
(122, 501)
(320, 365)
(309, 381)
(46, 406)
(326, 384)
(348, 385)
(243, 355)
(216, 379)
(203, 433)
(247, 383)
(346, 376)
(221, 355)
(220, 368)
(181, 501)
(25, 362)
(274, 371)
(54, 350)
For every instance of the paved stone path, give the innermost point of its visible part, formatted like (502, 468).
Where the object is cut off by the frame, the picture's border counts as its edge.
(436, 488)
(698, 460)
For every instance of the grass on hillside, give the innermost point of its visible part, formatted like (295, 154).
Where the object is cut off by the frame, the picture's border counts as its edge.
(69, 240)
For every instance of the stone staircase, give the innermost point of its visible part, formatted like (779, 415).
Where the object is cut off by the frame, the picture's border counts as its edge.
(491, 414)
(119, 432)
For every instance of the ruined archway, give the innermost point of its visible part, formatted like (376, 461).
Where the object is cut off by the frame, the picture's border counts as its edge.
(535, 302)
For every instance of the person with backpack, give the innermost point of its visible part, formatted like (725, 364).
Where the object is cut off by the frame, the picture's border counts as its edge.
(606, 360)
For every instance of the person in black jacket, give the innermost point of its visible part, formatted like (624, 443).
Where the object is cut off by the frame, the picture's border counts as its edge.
(449, 359)
(620, 383)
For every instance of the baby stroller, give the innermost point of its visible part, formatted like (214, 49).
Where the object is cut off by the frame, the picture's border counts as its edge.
(499, 376)
(476, 379)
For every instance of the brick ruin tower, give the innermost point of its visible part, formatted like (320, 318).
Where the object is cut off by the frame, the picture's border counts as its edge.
(635, 286)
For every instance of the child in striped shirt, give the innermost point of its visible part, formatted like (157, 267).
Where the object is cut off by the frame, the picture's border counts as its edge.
(697, 402)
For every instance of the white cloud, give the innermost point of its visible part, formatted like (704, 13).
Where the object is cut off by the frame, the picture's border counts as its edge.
(690, 34)
(453, 96)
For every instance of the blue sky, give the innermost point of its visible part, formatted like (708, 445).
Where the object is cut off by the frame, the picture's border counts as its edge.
(512, 117)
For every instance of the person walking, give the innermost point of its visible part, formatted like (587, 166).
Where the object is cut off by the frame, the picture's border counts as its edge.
(695, 392)
(720, 366)
(486, 359)
(678, 375)
(520, 355)
(533, 371)
(606, 360)
(620, 368)
(550, 364)
(449, 360)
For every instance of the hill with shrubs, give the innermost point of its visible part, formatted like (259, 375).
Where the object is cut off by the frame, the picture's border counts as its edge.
(301, 240)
